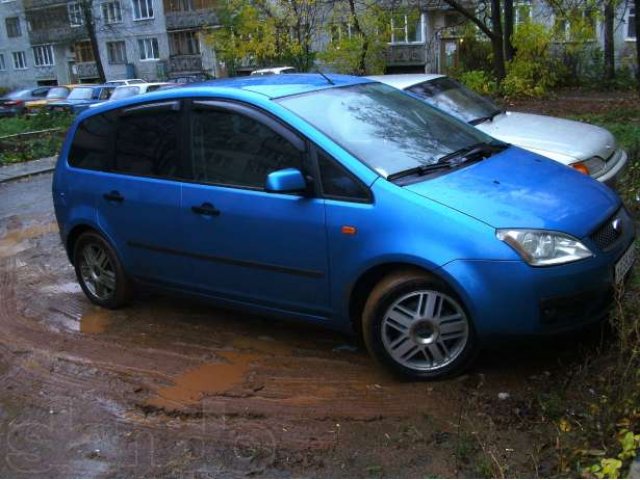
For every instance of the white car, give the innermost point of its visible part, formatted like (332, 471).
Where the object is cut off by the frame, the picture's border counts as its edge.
(274, 71)
(126, 91)
(590, 149)
(125, 81)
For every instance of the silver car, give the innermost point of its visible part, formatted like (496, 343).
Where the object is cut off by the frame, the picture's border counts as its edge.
(590, 149)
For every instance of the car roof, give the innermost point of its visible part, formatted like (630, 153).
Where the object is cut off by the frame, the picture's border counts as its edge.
(405, 80)
(274, 86)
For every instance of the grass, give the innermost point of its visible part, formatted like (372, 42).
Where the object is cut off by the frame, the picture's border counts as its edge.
(20, 149)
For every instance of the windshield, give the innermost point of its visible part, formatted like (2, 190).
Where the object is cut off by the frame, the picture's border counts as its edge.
(18, 94)
(125, 92)
(82, 93)
(383, 127)
(450, 96)
(58, 92)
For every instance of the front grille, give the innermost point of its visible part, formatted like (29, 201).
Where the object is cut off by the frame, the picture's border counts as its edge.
(606, 235)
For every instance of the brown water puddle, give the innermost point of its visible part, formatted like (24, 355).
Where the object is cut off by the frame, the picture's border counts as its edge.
(18, 240)
(207, 379)
(95, 321)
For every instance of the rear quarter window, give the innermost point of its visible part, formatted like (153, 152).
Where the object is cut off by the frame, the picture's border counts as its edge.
(93, 142)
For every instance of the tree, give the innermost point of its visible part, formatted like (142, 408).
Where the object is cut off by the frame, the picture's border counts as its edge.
(358, 33)
(90, 26)
(488, 18)
(266, 32)
(637, 22)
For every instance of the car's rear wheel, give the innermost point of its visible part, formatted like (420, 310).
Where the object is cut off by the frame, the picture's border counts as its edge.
(99, 271)
(415, 325)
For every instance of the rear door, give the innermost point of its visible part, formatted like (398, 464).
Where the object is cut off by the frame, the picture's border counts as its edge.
(138, 200)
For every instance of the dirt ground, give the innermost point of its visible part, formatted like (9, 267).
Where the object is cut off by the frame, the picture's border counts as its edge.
(172, 387)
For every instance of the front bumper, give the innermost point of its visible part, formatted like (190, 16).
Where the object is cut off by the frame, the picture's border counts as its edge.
(511, 298)
(614, 169)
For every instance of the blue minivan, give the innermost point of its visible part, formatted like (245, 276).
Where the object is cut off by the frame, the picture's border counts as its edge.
(343, 202)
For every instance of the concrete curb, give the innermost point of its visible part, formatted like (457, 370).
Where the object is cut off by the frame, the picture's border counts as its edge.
(25, 169)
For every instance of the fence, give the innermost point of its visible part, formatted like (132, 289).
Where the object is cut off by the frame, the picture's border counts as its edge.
(20, 147)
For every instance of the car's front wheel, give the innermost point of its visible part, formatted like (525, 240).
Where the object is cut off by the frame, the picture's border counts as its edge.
(100, 272)
(415, 325)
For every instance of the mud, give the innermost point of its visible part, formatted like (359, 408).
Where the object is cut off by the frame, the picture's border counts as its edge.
(169, 386)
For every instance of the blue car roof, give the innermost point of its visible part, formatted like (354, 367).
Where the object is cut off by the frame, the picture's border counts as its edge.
(274, 86)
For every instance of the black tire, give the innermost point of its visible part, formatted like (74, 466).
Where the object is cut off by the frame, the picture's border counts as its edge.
(105, 284)
(423, 335)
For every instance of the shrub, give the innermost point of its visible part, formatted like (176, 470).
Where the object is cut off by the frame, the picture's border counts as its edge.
(533, 70)
(480, 81)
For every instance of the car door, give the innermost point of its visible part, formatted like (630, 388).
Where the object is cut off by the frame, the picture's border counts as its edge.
(241, 242)
(138, 199)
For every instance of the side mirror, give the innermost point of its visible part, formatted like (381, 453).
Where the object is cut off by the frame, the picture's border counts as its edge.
(287, 180)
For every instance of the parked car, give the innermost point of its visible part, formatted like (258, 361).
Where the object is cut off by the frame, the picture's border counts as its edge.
(55, 94)
(125, 81)
(126, 91)
(591, 150)
(82, 98)
(342, 202)
(13, 103)
(196, 77)
(273, 71)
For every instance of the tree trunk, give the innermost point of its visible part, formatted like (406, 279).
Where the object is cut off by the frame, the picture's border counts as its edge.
(637, 4)
(508, 30)
(609, 48)
(361, 69)
(497, 41)
(89, 23)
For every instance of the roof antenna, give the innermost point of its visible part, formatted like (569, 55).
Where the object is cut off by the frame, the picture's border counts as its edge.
(325, 77)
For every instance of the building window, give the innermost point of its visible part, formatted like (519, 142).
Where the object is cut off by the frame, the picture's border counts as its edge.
(631, 21)
(3, 66)
(19, 61)
(148, 49)
(179, 5)
(43, 55)
(142, 9)
(340, 31)
(111, 12)
(84, 52)
(406, 28)
(13, 27)
(521, 13)
(116, 53)
(184, 43)
(76, 18)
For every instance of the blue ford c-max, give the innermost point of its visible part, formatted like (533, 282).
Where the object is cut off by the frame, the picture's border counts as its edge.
(343, 202)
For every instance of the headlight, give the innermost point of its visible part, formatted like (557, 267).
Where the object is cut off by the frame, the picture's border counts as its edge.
(542, 247)
(592, 166)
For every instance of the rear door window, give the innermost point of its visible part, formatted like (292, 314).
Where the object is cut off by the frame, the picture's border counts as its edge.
(147, 141)
(93, 142)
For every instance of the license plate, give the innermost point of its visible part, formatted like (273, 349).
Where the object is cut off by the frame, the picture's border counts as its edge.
(625, 263)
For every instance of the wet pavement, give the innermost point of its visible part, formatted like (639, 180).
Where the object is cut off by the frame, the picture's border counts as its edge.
(175, 387)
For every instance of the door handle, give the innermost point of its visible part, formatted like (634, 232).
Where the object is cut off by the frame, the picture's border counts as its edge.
(206, 209)
(113, 196)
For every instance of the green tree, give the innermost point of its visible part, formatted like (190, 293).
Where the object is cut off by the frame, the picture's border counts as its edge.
(358, 37)
(266, 33)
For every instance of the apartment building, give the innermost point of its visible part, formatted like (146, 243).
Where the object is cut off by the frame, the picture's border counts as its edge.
(150, 39)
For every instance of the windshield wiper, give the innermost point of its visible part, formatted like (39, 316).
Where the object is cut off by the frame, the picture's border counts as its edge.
(475, 152)
(486, 118)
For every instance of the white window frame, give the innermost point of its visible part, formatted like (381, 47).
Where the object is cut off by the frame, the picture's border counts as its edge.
(142, 10)
(75, 13)
(23, 57)
(517, 5)
(43, 55)
(111, 12)
(632, 6)
(3, 64)
(110, 51)
(405, 29)
(146, 49)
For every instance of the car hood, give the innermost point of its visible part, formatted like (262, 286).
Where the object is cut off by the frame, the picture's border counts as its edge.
(518, 189)
(564, 141)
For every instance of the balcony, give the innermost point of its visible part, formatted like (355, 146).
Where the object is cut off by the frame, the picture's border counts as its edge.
(57, 35)
(29, 4)
(406, 54)
(184, 64)
(193, 19)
